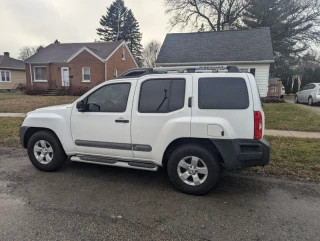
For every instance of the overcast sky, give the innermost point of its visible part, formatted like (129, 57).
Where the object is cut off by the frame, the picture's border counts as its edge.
(40, 22)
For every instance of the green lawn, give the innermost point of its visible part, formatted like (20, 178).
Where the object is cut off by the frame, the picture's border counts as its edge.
(290, 117)
(9, 131)
(21, 103)
(291, 158)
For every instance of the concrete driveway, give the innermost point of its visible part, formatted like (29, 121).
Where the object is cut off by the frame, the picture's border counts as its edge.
(89, 202)
(315, 108)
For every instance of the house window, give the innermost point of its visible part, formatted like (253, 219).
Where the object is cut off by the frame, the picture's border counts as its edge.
(123, 54)
(115, 73)
(248, 70)
(40, 73)
(253, 71)
(86, 74)
(5, 76)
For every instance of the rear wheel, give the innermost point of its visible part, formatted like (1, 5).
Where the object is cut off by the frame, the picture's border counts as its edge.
(45, 151)
(193, 169)
(296, 99)
(310, 101)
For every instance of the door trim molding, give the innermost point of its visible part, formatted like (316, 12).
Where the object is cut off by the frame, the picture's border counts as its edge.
(62, 81)
(112, 145)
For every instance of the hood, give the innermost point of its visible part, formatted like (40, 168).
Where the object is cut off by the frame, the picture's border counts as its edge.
(53, 108)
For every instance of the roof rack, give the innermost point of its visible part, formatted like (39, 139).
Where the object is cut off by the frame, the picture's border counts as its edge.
(136, 73)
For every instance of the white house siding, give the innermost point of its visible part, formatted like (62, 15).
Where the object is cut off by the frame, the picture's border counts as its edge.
(261, 76)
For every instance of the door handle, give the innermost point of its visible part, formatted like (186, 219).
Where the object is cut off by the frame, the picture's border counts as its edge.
(122, 121)
(190, 102)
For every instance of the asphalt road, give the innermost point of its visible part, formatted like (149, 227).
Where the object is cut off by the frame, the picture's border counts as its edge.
(314, 108)
(89, 202)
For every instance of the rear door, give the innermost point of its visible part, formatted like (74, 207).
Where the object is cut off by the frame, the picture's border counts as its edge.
(222, 106)
(302, 96)
(160, 113)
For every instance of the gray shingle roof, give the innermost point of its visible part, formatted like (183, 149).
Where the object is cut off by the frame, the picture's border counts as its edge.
(58, 53)
(224, 46)
(7, 62)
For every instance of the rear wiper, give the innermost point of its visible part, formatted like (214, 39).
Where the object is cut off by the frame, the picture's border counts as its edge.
(164, 99)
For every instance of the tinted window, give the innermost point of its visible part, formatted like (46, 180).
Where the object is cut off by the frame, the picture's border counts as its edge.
(223, 93)
(311, 86)
(162, 95)
(110, 98)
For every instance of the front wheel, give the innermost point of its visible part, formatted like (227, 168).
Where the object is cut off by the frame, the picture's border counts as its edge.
(193, 169)
(296, 99)
(310, 101)
(45, 151)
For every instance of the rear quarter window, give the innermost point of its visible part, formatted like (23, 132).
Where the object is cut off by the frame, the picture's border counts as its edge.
(222, 93)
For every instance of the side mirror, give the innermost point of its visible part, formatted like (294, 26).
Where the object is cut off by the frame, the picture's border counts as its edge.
(81, 106)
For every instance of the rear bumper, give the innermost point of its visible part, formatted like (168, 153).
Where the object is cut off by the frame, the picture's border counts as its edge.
(242, 153)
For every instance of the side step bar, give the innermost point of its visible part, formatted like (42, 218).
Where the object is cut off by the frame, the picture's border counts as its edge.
(107, 161)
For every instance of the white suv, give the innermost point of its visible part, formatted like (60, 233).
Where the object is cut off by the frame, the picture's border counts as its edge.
(192, 121)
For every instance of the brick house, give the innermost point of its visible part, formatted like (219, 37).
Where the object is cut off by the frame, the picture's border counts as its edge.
(74, 65)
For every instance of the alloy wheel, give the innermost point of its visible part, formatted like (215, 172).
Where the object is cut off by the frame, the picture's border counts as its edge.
(192, 170)
(43, 152)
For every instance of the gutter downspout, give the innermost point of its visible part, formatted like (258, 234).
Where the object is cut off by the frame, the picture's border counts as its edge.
(30, 74)
(105, 71)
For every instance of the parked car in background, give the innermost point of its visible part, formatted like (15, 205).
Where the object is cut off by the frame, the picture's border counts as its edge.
(309, 93)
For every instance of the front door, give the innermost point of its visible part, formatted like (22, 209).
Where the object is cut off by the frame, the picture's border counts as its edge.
(65, 77)
(104, 127)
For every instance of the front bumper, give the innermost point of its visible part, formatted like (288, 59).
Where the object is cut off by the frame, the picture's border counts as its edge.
(242, 153)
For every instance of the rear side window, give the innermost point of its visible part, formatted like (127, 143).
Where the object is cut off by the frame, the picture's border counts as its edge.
(223, 93)
(162, 95)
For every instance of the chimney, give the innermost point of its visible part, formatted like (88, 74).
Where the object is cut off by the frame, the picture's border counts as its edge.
(6, 54)
(226, 26)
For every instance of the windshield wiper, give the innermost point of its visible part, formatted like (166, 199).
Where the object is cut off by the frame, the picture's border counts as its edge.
(164, 99)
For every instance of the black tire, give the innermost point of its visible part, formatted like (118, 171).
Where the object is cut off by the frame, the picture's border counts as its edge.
(58, 157)
(202, 153)
(296, 99)
(310, 101)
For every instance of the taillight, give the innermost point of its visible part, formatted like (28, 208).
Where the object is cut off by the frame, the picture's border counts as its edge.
(257, 125)
(283, 88)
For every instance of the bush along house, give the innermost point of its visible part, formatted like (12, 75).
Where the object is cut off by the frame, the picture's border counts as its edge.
(74, 68)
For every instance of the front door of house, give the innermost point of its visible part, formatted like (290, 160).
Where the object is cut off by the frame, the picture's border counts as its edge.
(65, 77)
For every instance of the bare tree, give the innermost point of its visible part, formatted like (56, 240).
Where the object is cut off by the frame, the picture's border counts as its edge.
(212, 13)
(28, 51)
(150, 53)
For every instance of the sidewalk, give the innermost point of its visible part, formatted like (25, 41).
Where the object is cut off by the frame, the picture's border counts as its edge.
(12, 115)
(298, 134)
